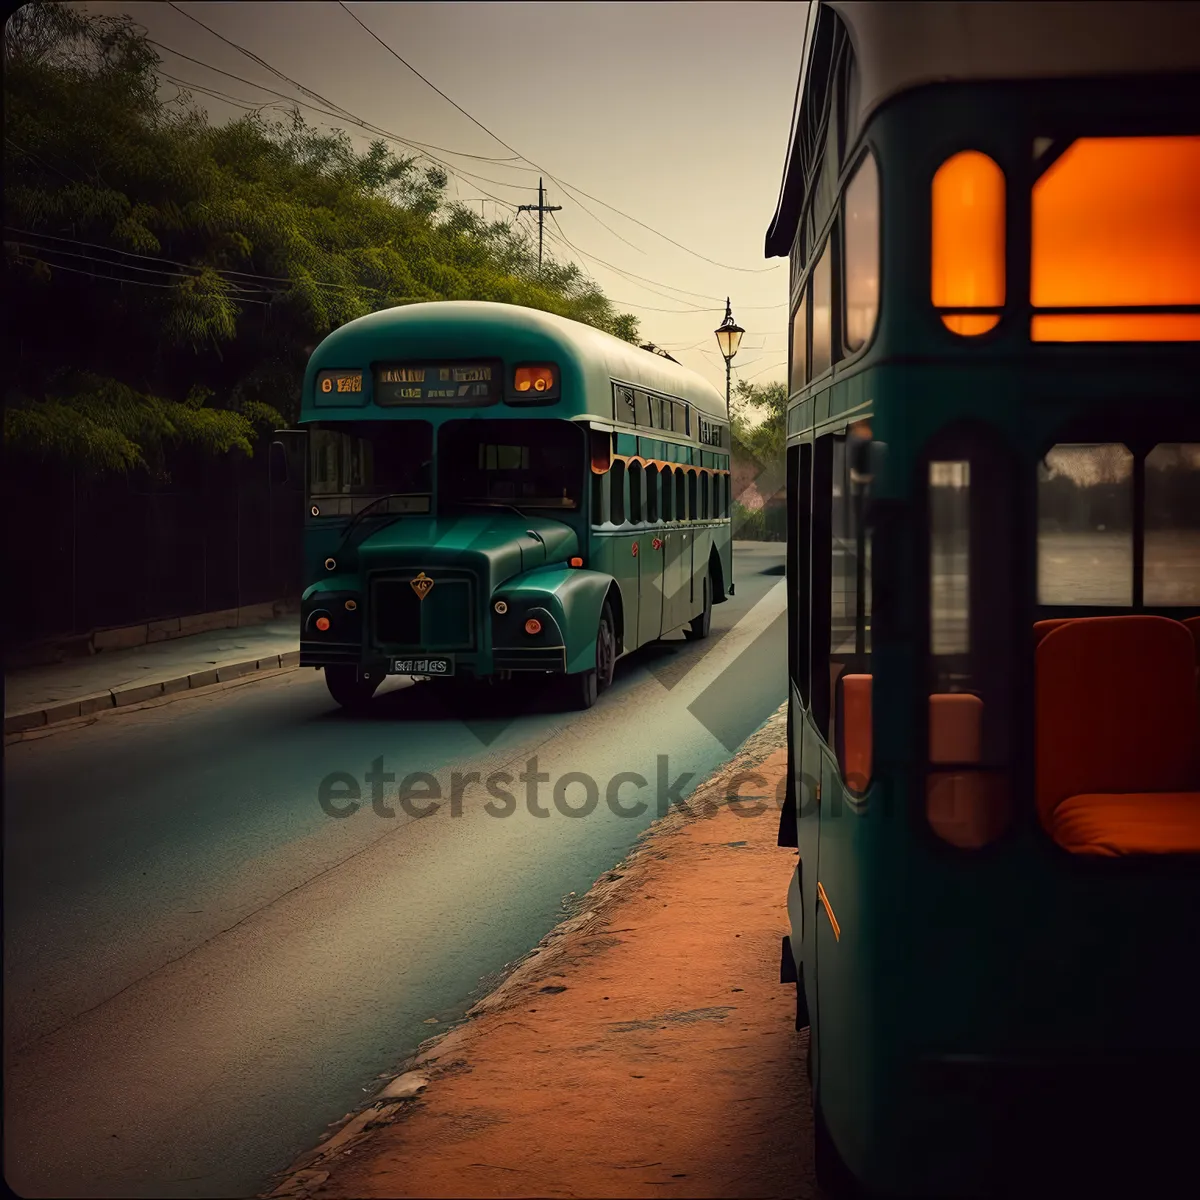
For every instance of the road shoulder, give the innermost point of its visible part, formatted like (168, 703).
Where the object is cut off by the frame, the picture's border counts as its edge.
(645, 1047)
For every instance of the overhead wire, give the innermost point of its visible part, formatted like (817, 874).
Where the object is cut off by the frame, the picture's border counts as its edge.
(561, 183)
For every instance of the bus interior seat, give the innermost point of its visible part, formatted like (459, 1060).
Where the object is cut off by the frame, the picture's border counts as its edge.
(1118, 736)
(967, 808)
(853, 732)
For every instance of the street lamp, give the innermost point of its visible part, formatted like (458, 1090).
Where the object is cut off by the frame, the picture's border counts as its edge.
(729, 337)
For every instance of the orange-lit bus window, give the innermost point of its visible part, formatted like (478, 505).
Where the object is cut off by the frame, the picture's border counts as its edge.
(967, 267)
(1116, 223)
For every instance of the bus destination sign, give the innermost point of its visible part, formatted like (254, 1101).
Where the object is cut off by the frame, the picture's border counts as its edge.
(463, 383)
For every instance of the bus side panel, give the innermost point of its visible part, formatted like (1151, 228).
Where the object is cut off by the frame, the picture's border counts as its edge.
(808, 827)
(702, 544)
(846, 1088)
(613, 555)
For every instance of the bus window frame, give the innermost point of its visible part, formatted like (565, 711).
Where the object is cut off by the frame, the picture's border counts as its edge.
(957, 441)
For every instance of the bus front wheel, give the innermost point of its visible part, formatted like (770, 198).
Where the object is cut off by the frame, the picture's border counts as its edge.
(348, 688)
(700, 625)
(580, 691)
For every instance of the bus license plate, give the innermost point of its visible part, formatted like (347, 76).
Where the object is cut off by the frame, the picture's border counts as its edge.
(441, 665)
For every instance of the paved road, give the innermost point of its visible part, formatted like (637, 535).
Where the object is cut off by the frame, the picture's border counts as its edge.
(203, 968)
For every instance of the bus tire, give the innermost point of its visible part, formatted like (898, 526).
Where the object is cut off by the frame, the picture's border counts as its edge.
(700, 625)
(348, 689)
(606, 650)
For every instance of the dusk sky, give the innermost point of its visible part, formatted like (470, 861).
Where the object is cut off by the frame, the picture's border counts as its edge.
(675, 114)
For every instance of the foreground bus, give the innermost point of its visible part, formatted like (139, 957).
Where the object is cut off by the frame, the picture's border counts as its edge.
(993, 218)
(494, 491)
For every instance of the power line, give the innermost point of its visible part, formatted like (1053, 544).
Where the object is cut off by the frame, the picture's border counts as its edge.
(561, 183)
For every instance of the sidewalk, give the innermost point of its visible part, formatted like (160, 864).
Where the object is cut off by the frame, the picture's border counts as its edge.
(645, 1048)
(62, 691)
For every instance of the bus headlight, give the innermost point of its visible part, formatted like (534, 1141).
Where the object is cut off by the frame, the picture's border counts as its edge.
(500, 608)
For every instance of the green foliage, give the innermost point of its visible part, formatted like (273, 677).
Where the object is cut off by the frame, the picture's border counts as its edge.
(168, 278)
(760, 422)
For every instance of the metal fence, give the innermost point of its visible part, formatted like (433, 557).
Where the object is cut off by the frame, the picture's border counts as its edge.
(87, 554)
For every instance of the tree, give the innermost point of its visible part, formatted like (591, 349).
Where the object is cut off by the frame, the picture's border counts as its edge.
(169, 278)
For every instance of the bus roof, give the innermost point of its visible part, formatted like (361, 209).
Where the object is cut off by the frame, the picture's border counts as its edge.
(900, 45)
(458, 328)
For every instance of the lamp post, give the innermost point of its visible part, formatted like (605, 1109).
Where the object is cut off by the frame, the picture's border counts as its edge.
(729, 337)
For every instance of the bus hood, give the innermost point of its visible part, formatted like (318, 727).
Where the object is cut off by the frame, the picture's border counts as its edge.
(496, 546)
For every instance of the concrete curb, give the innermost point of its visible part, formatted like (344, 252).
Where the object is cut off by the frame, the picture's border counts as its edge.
(60, 649)
(138, 693)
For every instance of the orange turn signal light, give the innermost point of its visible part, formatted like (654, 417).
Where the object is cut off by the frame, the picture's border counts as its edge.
(533, 379)
(533, 625)
(322, 623)
(577, 562)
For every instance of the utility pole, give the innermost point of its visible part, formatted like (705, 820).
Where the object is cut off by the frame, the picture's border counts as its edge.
(541, 209)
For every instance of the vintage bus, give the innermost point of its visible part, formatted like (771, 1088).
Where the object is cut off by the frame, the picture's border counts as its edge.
(494, 491)
(992, 213)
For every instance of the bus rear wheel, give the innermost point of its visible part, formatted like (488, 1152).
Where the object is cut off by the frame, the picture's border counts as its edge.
(700, 625)
(349, 689)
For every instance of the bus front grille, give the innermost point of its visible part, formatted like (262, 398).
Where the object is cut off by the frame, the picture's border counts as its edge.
(442, 621)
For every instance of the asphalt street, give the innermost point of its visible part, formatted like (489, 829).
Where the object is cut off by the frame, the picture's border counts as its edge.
(205, 965)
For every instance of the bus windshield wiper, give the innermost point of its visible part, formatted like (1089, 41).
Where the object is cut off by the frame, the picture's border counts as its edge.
(488, 504)
(362, 512)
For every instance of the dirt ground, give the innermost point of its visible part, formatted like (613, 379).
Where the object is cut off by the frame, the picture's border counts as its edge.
(645, 1048)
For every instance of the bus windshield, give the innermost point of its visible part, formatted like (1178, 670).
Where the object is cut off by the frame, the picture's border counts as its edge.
(370, 458)
(528, 464)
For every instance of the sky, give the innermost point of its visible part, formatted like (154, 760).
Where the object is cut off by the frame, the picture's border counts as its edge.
(675, 114)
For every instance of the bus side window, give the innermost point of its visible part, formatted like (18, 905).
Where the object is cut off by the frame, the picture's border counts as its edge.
(636, 513)
(681, 508)
(652, 495)
(849, 620)
(616, 492)
(1085, 525)
(693, 500)
(822, 563)
(1171, 563)
(971, 579)
(799, 466)
(599, 508)
(668, 494)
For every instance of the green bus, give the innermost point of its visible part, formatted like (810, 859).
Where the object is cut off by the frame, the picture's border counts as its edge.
(494, 491)
(992, 213)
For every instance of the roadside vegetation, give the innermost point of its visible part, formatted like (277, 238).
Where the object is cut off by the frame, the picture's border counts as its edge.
(759, 453)
(167, 278)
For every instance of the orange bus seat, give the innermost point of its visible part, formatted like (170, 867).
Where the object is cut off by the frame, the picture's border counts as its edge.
(1110, 826)
(966, 808)
(856, 731)
(1041, 628)
(1116, 712)
(1192, 625)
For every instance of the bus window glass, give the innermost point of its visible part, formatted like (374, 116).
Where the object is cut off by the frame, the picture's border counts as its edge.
(799, 468)
(971, 576)
(370, 458)
(1172, 525)
(949, 561)
(967, 264)
(1085, 525)
(641, 403)
(623, 404)
(1114, 225)
(616, 492)
(598, 506)
(799, 372)
(668, 494)
(652, 494)
(681, 508)
(636, 514)
(482, 462)
(693, 500)
(822, 313)
(862, 254)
